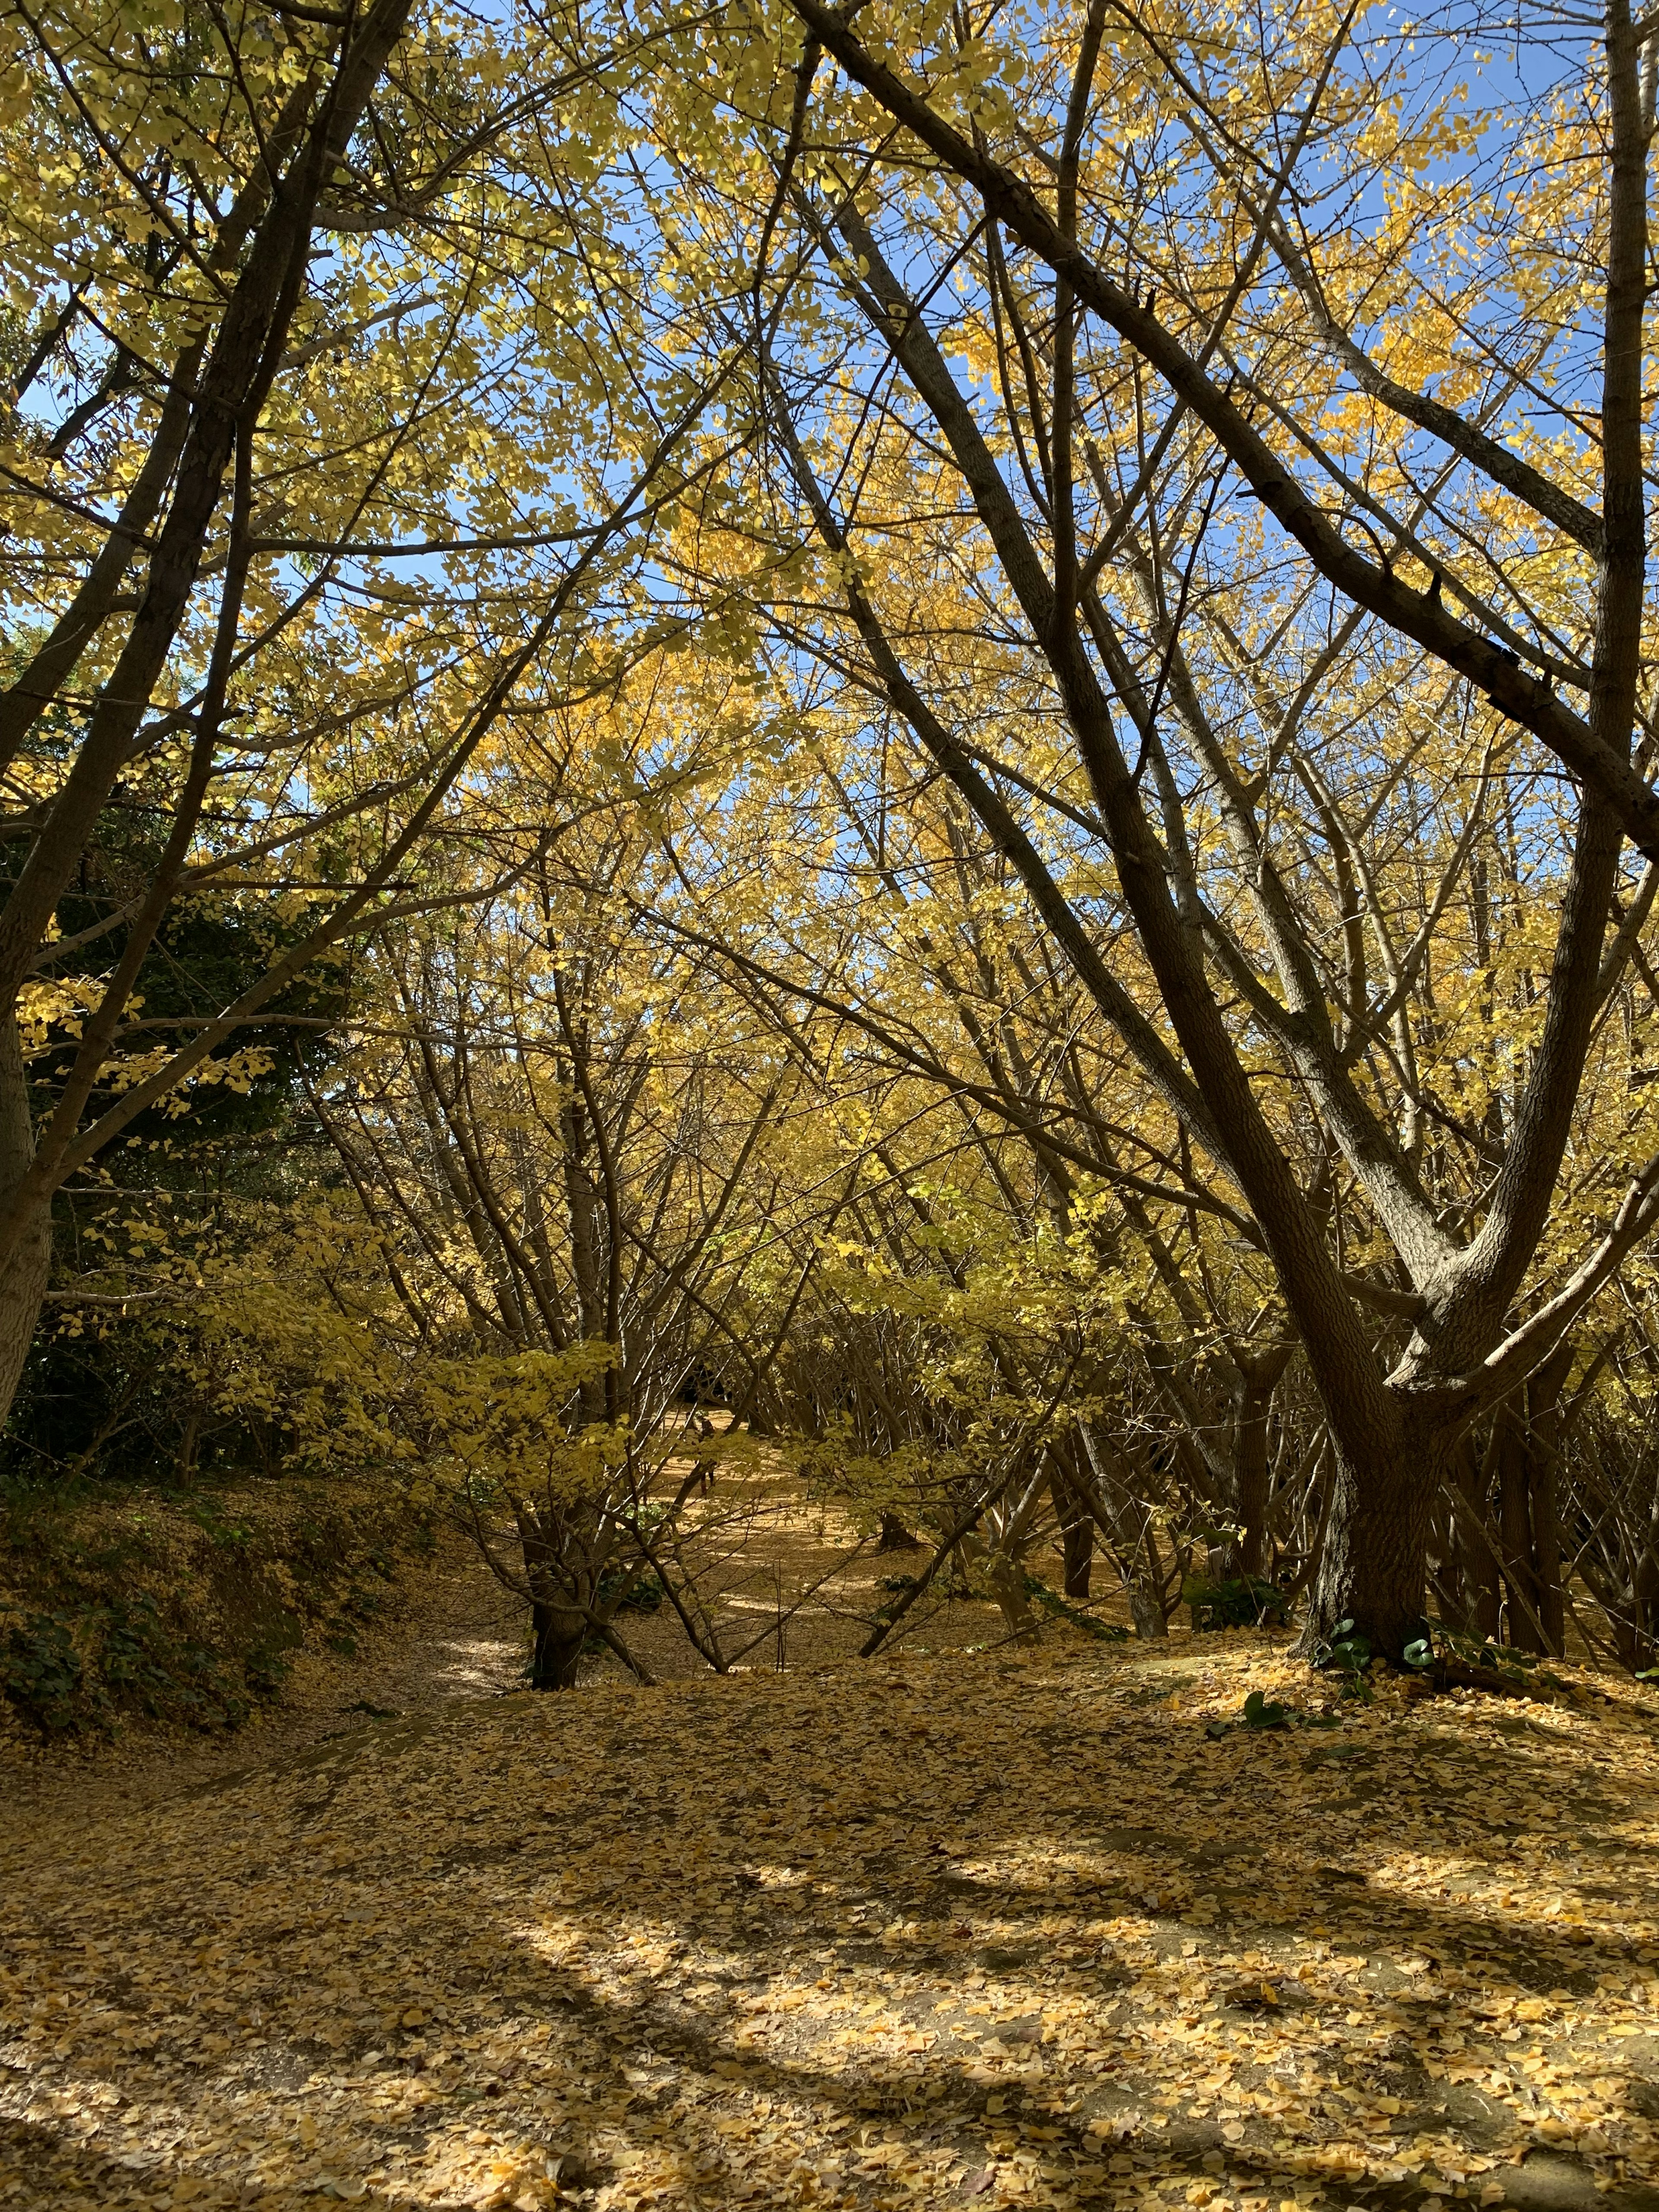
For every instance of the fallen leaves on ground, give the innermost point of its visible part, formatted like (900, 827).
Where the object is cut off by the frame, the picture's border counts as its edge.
(976, 1930)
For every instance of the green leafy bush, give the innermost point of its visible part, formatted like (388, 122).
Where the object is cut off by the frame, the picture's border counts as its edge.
(1241, 1601)
(79, 1668)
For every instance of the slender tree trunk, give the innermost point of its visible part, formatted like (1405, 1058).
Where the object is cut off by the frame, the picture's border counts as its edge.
(1006, 1575)
(1515, 1528)
(1252, 1398)
(1126, 1519)
(1637, 1634)
(1077, 1543)
(1476, 1569)
(1528, 1516)
(1077, 1535)
(23, 1278)
(1546, 1555)
(1544, 1456)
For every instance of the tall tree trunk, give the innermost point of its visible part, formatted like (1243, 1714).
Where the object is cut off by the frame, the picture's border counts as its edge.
(1252, 1395)
(1126, 1519)
(1637, 1629)
(1515, 1526)
(1077, 1533)
(1528, 1448)
(1544, 1438)
(23, 1280)
(1077, 1543)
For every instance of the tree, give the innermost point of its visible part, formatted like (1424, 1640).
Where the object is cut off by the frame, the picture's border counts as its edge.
(1283, 625)
(312, 299)
(572, 1148)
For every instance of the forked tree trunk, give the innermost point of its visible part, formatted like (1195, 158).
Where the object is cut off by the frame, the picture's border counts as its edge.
(23, 1280)
(1127, 1522)
(563, 1560)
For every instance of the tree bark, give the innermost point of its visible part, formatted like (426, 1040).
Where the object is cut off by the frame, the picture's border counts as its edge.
(1373, 1568)
(1077, 1536)
(895, 1536)
(1257, 1378)
(1527, 1514)
(557, 1635)
(1544, 1431)
(1392, 1436)
(1077, 1544)
(24, 1277)
(1127, 1522)
(1476, 1569)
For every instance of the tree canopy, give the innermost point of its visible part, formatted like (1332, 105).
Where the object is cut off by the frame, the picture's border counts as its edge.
(915, 737)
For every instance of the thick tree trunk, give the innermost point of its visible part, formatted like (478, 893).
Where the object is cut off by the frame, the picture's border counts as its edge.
(24, 1277)
(1373, 1569)
(1146, 1612)
(557, 1635)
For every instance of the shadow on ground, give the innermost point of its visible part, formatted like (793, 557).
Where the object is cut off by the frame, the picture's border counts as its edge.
(969, 1933)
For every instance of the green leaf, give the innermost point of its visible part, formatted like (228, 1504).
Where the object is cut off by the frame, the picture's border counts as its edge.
(1261, 1713)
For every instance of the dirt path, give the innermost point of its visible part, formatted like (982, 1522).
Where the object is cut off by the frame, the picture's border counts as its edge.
(454, 1636)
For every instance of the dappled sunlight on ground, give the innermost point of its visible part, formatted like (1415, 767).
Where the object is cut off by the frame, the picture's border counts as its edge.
(976, 1931)
(788, 1582)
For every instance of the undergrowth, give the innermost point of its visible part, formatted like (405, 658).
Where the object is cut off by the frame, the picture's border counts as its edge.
(185, 1607)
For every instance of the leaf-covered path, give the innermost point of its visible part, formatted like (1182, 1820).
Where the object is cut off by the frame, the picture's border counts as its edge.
(974, 1930)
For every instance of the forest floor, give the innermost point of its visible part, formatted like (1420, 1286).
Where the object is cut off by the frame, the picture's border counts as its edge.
(453, 1634)
(784, 1581)
(969, 1929)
